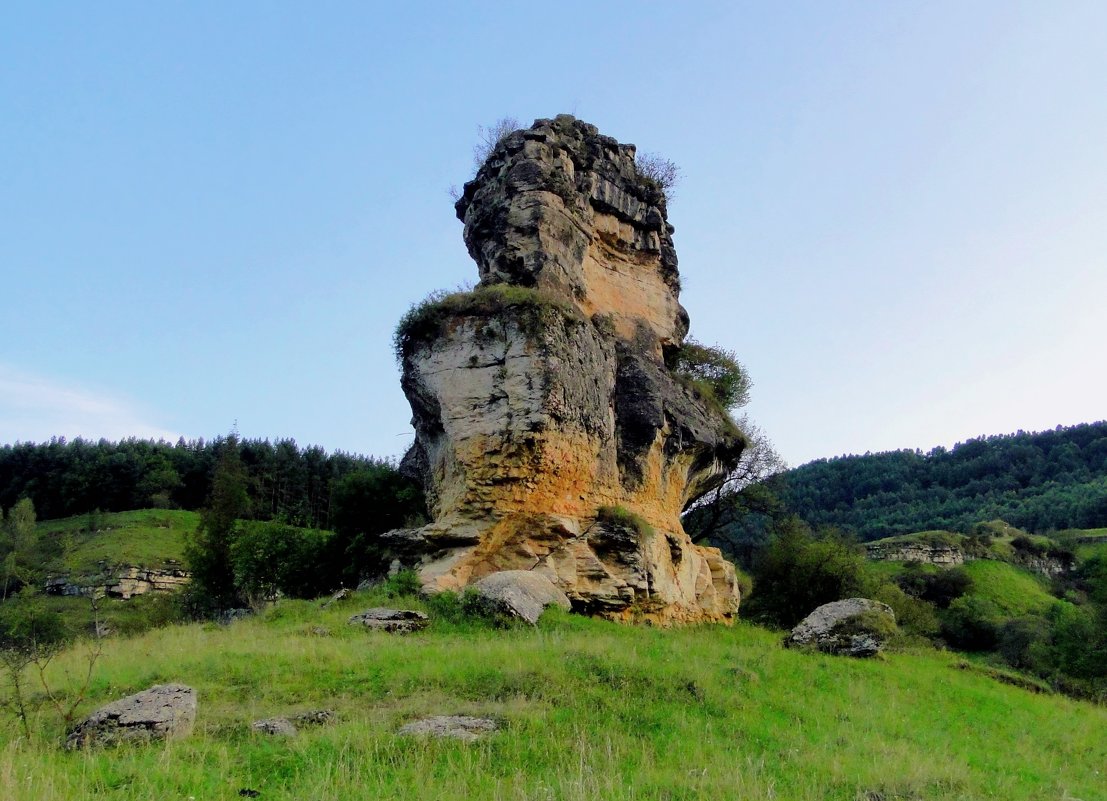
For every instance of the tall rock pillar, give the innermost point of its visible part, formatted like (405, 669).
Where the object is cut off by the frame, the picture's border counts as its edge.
(550, 433)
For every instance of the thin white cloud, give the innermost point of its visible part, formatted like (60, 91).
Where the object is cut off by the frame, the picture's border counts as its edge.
(34, 409)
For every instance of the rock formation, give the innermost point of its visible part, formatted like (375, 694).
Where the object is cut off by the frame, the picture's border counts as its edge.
(122, 581)
(552, 432)
(916, 551)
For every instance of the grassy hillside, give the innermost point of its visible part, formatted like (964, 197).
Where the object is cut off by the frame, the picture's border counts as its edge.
(1013, 590)
(148, 537)
(591, 710)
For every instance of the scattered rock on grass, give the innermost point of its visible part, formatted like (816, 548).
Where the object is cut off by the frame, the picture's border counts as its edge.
(275, 727)
(163, 711)
(461, 727)
(290, 726)
(521, 594)
(394, 621)
(229, 616)
(341, 595)
(853, 627)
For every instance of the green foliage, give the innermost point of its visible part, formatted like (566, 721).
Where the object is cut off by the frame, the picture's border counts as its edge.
(423, 321)
(972, 623)
(622, 517)
(714, 373)
(18, 541)
(270, 558)
(914, 616)
(799, 571)
(939, 587)
(1023, 642)
(404, 583)
(78, 478)
(462, 610)
(27, 623)
(368, 503)
(213, 587)
(1036, 481)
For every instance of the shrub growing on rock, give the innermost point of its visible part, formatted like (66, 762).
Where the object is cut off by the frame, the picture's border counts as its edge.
(624, 518)
(714, 373)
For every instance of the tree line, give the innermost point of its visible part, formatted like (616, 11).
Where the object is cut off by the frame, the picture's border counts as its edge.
(1049, 480)
(283, 481)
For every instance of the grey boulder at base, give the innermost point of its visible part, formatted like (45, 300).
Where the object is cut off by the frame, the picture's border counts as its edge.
(852, 627)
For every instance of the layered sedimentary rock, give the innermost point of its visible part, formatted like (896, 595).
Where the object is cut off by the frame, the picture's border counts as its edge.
(122, 581)
(927, 553)
(550, 433)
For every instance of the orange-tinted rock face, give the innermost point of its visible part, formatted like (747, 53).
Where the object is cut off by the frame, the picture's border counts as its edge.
(535, 413)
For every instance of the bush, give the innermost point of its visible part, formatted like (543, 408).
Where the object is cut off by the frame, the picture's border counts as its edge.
(28, 625)
(660, 172)
(713, 373)
(913, 616)
(939, 587)
(368, 503)
(268, 558)
(490, 137)
(798, 572)
(1023, 643)
(467, 607)
(403, 583)
(972, 624)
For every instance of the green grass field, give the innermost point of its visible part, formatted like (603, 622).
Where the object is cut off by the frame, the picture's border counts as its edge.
(148, 537)
(590, 710)
(1014, 590)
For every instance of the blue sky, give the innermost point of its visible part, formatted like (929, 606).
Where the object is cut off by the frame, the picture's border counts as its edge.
(894, 213)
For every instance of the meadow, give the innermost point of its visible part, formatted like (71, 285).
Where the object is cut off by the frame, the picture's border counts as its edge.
(589, 710)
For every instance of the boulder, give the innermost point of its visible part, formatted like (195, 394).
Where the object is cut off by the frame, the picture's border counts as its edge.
(394, 621)
(852, 627)
(461, 727)
(520, 594)
(161, 712)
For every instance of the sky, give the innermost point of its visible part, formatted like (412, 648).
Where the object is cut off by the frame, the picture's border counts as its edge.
(213, 214)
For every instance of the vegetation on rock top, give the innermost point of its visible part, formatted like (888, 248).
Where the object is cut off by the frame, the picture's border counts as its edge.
(424, 321)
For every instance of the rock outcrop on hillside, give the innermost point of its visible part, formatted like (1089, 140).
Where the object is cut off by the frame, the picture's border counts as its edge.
(551, 433)
(926, 553)
(121, 581)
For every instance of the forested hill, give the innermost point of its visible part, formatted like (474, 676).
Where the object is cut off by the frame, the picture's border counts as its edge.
(284, 481)
(1037, 481)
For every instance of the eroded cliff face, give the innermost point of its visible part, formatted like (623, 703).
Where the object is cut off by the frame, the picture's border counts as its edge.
(550, 435)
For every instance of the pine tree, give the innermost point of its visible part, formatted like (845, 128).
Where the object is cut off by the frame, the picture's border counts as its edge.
(209, 554)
